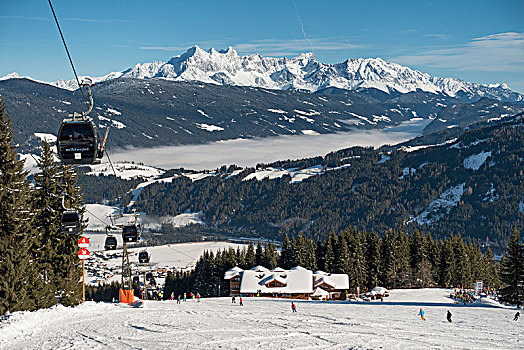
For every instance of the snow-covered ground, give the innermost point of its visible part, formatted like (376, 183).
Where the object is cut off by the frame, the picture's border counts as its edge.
(264, 323)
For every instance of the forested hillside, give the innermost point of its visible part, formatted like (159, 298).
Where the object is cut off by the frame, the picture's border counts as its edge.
(472, 185)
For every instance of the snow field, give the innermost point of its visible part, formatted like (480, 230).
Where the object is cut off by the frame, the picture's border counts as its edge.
(264, 323)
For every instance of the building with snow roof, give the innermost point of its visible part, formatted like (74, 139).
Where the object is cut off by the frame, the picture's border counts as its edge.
(294, 283)
(332, 283)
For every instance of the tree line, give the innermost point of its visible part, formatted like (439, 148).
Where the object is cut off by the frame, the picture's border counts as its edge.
(394, 260)
(38, 264)
(373, 191)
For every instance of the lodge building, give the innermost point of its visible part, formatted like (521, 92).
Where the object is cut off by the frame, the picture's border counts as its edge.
(296, 283)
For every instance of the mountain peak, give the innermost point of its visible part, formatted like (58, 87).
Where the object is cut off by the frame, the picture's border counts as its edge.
(13, 75)
(303, 72)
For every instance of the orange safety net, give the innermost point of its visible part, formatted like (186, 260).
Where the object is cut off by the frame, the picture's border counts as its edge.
(126, 296)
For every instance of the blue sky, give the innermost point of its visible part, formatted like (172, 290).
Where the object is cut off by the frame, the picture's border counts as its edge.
(480, 41)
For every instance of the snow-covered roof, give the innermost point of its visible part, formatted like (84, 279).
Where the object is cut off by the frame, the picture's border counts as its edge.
(232, 272)
(380, 290)
(295, 281)
(299, 268)
(278, 269)
(319, 292)
(260, 268)
(336, 281)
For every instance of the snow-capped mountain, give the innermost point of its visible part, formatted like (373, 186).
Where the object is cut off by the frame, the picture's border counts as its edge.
(303, 72)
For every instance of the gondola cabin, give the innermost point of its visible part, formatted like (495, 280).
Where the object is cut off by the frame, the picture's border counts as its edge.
(131, 233)
(70, 222)
(110, 243)
(78, 142)
(143, 257)
(149, 276)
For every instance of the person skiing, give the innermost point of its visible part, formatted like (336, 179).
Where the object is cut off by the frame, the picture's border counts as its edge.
(198, 297)
(517, 315)
(421, 313)
(185, 296)
(172, 295)
(448, 316)
(178, 299)
(241, 303)
(233, 300)
(293, 307)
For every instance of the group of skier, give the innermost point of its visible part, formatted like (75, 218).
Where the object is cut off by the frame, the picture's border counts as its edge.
(449, 314)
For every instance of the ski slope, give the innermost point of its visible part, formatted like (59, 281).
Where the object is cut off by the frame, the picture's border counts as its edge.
(264, 323)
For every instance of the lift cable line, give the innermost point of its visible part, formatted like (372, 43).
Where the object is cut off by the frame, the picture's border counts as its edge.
(67, 51)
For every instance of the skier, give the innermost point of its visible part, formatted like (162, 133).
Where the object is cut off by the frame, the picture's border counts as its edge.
(241, 303)
(421, 313)
(178, 300)
(517, 315)
(185, 296)
(233, 300)
(293, 307)
(449, 316)
(198, 297)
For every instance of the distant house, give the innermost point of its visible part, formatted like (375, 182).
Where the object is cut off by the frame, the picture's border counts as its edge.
(333, 284)
(234, 275)
(295, 283)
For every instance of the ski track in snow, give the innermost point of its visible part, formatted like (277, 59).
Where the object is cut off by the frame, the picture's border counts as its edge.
(264, 323)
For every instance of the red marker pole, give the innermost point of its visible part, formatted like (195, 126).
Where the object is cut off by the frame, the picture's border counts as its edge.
(83, 281)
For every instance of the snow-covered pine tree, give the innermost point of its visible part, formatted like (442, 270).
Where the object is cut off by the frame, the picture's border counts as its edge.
(19, 279)
(512, 270)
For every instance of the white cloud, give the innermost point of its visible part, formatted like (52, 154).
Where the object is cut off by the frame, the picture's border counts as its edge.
(502, 52)
(272, 46)
(250, 152)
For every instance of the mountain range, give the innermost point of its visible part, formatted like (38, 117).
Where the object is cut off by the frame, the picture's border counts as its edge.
(303, 72)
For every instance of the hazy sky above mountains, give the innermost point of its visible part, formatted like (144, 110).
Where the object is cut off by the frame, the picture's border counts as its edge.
(480, 41)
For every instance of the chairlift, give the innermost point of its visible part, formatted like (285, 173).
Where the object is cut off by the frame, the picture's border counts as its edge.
(111, 243)
(71, 223)
(143, 257)
(131, 233)
(78, 140)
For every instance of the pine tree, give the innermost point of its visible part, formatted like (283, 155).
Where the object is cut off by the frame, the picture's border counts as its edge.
(259, 254)
(373, 259)
(47, 208)
(250, 256)
(286, 255)
(512, 270)
(19, 279)
(447, 262)
(491, 271)
(329, 253)
(357, 260)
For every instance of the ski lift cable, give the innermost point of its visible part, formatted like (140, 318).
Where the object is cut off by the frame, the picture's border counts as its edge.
(67, 51)
(64, 193)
